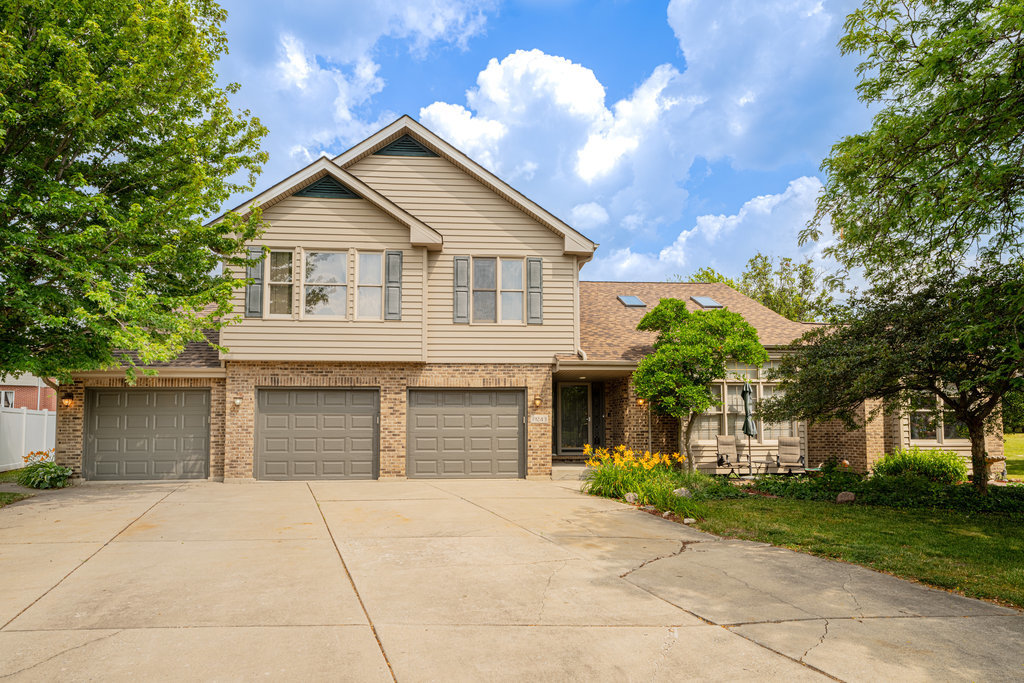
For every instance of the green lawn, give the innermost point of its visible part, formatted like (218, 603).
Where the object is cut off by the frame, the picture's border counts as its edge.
(10, 476)
(975, 554)
(1014, 455)
(6, 497)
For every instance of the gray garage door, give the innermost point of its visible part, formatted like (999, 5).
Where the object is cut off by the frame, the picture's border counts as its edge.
(468, 433)
(147, 434)
(317, 434)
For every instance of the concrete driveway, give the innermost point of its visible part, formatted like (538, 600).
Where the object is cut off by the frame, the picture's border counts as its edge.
(460, 580)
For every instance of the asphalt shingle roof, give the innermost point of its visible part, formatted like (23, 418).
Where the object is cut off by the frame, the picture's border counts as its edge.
(608, 329)
(195, 354)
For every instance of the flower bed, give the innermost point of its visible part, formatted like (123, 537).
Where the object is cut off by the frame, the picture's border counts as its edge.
(654, 478)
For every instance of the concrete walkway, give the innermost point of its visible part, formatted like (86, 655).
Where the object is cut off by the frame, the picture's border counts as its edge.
(460, 580)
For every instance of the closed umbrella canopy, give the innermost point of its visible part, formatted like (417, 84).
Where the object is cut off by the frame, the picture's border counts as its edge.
(749, 425)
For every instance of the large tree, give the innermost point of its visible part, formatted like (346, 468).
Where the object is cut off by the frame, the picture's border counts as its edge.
(951, 338)
(794, 289)
(937, 183)
(690, 352)
(115, 143)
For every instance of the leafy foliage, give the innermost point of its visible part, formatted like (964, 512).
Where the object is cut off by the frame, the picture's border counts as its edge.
(903, 491)
(44, 475)
(938, 181)
(944, 467)
(1013, 411)
(653, 477)
(690, 352)
(115, 141)
(959, 339)
(792, 289)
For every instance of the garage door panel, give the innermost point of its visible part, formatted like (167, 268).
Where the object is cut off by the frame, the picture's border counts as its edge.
(147, 433)
(316, 433)
(465, 433)
(275, 421)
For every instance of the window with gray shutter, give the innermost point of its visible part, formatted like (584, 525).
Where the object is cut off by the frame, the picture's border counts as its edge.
(460, 304)
(534, 291)
(392, 285)
(254, 291)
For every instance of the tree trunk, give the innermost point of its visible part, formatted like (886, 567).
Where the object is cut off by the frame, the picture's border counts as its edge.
(976, 430)
(684, 442)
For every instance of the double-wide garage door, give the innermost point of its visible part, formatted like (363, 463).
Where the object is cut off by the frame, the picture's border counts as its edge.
(465, 433)
(147, 434)
(317, 433)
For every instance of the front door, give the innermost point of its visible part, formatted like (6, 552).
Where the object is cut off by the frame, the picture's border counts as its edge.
(574, 425)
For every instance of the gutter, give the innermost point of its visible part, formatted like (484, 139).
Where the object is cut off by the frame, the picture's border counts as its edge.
(161, 372)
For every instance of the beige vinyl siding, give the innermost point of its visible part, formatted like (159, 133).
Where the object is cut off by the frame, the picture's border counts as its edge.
(314, 223)
(474, 221)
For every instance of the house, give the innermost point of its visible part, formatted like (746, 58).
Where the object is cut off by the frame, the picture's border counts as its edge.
(26, 391)
(415, 317)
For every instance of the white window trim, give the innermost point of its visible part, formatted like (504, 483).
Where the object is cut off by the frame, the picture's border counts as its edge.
(357, 286)
(302, 283)
(3, 398)
(940, 427)
(497, 292)
(758, 381)
(267, 315)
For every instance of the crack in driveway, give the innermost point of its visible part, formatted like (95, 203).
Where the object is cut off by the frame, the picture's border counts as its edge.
(682, 548)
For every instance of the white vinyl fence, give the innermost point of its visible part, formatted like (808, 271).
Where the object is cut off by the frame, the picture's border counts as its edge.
(23, 430)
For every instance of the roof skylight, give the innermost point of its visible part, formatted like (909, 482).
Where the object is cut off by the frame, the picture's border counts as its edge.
(706, 302)
(632, 301)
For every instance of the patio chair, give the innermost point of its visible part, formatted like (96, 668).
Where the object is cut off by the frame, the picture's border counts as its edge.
(789, 456)
(727, 454)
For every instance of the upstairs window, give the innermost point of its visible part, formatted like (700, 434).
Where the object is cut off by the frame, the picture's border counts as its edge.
(370, 285)
(279, 279)
(511, 291)
(488, 289)
(326, 278)
(485, 290)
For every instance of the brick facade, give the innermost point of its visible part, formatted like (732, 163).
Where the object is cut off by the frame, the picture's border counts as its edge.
(232, 427)
(33, 398)
(71, 420)
(394, 380)
(627, 423)
(861, 447)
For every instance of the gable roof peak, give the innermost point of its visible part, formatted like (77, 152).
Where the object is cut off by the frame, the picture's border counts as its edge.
(574, 241)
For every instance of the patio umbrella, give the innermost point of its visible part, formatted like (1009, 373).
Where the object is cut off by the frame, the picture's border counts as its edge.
(749, 425)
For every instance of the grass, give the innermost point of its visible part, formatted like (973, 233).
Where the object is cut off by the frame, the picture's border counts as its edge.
(9, 477)
(7, 497)
(975, 554)
(1014, 444)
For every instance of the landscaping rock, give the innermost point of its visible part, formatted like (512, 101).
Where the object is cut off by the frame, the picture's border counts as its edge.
(689, 520)
(649, 508)
(682, 493)
(667, 515)
(845, 497)
(632, 498)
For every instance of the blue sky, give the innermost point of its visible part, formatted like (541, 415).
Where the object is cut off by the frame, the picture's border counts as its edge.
(677, 134)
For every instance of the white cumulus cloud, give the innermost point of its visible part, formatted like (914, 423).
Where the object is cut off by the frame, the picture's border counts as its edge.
(588, 216)
(764, 223)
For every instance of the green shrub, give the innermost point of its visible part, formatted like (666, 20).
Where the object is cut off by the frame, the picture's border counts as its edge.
(943, 467)
(904, 491)
(44, 475)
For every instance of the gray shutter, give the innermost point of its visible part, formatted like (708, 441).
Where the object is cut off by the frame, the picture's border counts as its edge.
(534, 291)
(254, 292)
(392, 285)
(460, 305)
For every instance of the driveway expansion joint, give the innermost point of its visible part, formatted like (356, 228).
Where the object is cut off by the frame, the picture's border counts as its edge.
(352, 582)
(80, 564)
